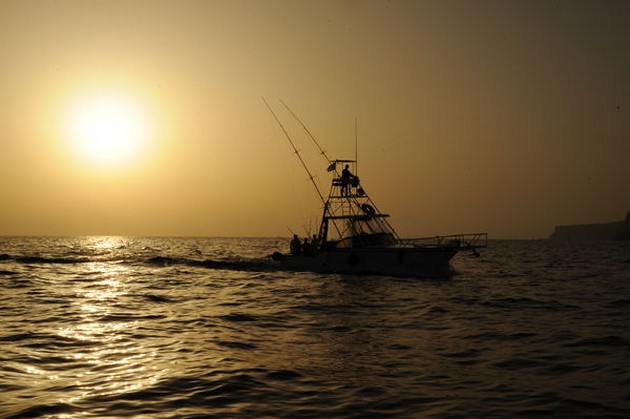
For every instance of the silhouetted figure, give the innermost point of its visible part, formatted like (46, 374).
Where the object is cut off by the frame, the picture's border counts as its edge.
(314, 243)
(295, 245)
(346, 179)
(307, 249)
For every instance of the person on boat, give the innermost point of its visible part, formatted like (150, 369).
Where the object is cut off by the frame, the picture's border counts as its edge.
(346, 180)
(295, 245)
(307, 249)
(314, 243)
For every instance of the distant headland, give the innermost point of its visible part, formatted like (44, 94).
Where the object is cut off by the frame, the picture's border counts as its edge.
(619, 230)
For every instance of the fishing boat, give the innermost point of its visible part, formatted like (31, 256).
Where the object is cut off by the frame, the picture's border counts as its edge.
(355, 237)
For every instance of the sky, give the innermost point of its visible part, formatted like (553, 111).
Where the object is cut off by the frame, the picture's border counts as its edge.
(146, 118)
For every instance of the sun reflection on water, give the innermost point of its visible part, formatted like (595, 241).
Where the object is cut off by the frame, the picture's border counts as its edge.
(103, 242)
(109, 352)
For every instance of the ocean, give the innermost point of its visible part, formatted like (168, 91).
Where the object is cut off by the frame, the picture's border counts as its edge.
(112, 327)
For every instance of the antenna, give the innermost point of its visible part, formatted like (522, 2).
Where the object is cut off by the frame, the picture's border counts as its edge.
(296, 151)
(356, 152)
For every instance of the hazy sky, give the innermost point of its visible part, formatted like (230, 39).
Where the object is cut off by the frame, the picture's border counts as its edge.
(145, 117)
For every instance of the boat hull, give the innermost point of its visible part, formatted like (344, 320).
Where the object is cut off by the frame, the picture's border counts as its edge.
(392, 261)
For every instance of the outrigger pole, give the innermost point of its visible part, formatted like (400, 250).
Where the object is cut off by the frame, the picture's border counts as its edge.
(321, 150)
(296, 151)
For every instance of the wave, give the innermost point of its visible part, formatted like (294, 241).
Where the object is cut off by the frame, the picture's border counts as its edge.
(45, 409)
(6, 273)
(605, 341)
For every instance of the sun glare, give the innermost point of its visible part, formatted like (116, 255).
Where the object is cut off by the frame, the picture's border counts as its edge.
(107, 129)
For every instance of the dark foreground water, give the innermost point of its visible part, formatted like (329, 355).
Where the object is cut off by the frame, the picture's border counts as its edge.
(116, 327)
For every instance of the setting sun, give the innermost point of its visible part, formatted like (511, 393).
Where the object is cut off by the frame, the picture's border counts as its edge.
(108, 129)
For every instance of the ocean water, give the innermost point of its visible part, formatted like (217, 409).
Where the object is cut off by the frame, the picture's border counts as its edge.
(109, 327)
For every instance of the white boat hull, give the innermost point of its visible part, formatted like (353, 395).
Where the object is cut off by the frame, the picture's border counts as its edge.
(393, 261)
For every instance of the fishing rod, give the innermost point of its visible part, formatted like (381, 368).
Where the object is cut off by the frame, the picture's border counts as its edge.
(296, 151)
(331, 163)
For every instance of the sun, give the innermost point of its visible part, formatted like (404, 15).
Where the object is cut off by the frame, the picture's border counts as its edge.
(108, 129)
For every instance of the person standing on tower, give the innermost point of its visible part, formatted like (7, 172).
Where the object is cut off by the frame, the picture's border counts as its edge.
(346, 180)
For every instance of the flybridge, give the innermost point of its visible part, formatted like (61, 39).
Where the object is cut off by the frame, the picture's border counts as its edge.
(350, 216)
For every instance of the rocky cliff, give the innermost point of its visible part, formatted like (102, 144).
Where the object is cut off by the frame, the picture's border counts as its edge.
(624, 232)
(619, 230)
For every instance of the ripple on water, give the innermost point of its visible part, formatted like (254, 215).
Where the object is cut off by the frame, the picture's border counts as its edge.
(191, 328)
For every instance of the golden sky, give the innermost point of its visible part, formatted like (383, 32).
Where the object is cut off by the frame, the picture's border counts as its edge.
(145, 117)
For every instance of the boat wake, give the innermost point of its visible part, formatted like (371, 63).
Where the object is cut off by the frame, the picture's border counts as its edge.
(251, 265)
(43, 259)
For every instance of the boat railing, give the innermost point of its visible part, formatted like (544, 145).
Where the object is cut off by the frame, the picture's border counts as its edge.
(463, 241)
